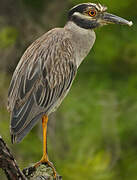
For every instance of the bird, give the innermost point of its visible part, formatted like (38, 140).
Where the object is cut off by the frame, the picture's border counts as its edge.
(45, 72)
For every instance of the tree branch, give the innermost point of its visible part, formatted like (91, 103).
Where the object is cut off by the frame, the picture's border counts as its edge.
(8, 163)
(13, 172)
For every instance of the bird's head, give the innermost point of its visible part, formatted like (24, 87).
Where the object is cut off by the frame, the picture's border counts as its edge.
(91, 15)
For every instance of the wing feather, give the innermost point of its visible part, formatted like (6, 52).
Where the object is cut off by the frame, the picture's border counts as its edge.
(40, 81)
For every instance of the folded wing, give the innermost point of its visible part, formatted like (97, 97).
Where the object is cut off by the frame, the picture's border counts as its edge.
(40, 81)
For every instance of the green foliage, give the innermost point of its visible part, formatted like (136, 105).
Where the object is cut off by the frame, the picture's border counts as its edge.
(8, 36)
(36, 5)
(100, 128)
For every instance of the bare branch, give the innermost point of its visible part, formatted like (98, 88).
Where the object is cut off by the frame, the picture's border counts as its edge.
(8, 163)
(13, 172)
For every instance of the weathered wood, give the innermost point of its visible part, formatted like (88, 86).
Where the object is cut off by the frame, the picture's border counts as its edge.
(13, 172)
(8, 163)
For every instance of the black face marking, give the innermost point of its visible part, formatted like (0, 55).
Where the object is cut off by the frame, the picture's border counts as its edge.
(78, 14)
(85, 23)
(81, 21)
(79, 8)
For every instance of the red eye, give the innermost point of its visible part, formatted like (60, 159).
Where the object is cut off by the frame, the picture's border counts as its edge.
(92, 12)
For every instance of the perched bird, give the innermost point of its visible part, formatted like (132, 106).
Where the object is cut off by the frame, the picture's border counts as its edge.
(48, 67)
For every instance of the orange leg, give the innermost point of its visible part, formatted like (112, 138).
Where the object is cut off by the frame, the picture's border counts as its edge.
(44, 159)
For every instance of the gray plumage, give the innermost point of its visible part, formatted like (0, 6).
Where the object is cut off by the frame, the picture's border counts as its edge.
(48, 67)
(44, 76)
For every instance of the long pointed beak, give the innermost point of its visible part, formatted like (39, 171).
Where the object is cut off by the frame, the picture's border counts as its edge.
(113, 19)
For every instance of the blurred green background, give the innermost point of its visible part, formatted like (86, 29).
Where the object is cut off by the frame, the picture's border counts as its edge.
(93, 135)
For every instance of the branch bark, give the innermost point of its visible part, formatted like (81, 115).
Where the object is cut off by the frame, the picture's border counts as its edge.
(8, 163)
(13, 172)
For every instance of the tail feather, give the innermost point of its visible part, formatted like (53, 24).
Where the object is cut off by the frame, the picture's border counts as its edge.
(20, 115)
(17, 137)
(23, 119)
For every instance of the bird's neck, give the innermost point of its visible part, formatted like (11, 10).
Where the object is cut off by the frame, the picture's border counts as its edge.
(83, 40)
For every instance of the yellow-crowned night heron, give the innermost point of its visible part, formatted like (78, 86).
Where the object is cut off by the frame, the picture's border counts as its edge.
(48, 67)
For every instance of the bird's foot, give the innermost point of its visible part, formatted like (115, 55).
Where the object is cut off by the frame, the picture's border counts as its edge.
(50, 164)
